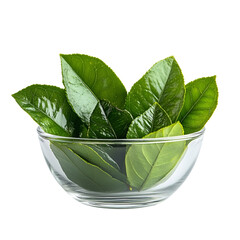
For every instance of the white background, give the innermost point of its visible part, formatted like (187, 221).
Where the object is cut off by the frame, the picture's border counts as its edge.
(130, 36)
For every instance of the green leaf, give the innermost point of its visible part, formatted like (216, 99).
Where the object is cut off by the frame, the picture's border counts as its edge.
(91, 155)
(115, 152)
(200, 102)
(83, 131)
(150, 121)
(48, 106)
(87, 81)
(100, 149)
(164, 84)
(109, 122)
(84, 174)
(147, 164)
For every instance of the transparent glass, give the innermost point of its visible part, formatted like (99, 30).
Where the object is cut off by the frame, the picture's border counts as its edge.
(120, 173)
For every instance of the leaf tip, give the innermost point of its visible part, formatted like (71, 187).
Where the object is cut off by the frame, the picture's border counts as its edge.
(178, 123)
(171, 58)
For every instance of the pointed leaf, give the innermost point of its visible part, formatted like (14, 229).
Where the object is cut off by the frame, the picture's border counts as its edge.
(150, 121)
(114, 152)
(90, 155)
(48, 106)
(88, 80)
(147, 164)
(164, 84)
(109, 122)
(200, 102)
(84, 174)
(102, 150)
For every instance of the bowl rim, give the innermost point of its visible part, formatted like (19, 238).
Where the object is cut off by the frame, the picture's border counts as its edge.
(57, 138)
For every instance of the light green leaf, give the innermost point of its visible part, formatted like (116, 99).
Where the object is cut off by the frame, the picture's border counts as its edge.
(84, 174)
(150, 121)
(164, 84)
(87, 81)
(91, 155)
(48, 106)
(147, 164)
(200, 102)
(109, 122)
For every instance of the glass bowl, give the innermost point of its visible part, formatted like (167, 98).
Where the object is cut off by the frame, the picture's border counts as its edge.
(120, 173)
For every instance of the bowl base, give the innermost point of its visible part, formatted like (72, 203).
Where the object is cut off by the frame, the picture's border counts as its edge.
(118, 203)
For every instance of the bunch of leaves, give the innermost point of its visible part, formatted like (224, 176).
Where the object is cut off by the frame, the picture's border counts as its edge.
(95, 104)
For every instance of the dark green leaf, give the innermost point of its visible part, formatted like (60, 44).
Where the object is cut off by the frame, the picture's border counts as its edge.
(84, 174)
(147, 164)
(83, 131)
(88, 80)
(102, 150)
(150, 121)
(48, 106)
(164, 84)
(90, 155)
(115, 152)
(109, 122)
(200, 102)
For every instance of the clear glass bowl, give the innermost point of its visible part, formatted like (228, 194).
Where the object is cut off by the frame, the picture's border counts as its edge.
(120, 173)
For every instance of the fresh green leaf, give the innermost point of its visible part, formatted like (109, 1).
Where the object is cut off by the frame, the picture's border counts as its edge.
(102, 150)
(200, 102)
(88, 80)
(48, 106)
(84, 174)
(83, 131)
(91, 156)
(147, 164)
(109, 122)
(164, 84)
(150, 121)
(115, 152)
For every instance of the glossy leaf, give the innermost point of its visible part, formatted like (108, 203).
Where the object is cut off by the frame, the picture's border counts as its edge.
(84, 174)
(48, 106)
(109, 122)
(147, 164)
(150, 121)
(91, 155)
(164, 84)
(83, 131)
(88, 80)
(200, 102)
(105, 150)
(115, 152)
